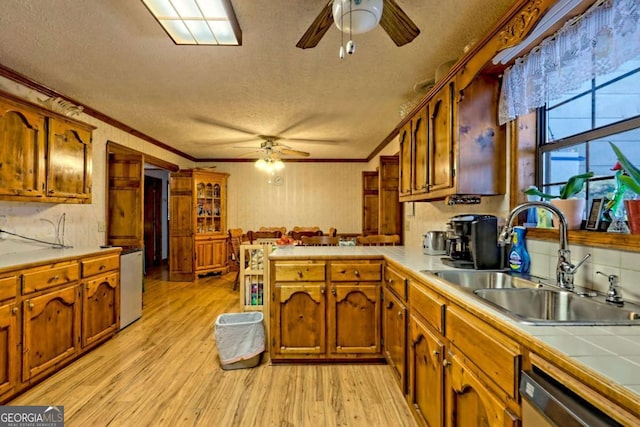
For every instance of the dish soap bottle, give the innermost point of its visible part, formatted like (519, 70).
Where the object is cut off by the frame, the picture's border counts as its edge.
(519, 259)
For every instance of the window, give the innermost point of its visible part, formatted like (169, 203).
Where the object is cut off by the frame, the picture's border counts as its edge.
(579, 125)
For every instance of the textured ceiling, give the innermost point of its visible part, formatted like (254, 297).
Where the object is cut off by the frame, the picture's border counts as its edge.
(206, 100)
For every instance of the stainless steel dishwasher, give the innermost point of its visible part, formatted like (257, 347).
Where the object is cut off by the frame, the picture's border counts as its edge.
(546, 402)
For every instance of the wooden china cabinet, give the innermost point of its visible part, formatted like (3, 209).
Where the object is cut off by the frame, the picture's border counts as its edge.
(198, 224)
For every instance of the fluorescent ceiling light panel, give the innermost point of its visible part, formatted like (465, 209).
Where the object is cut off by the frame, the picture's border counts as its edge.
(197, 22)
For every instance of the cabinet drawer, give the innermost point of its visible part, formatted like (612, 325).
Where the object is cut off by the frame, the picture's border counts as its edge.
(93, 266)
(495, 355)
(396, 282)
(8, 286)
(427, 304)
(41, 278)
(353, 272)
(299, 272)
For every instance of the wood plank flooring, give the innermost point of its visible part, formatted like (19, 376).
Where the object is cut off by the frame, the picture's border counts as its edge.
(163, 370)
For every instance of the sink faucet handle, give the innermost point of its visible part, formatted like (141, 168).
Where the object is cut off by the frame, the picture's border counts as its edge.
(577, 266)
(613, 295)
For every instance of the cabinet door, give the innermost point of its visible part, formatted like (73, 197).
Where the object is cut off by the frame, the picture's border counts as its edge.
(390, 219)
(298, 319)
(420, 164)
(394, 329)
(22, 165)
(369, 203)
(406, 159)
(470, 402)
(51, 330)
(69, 160)
(210, 254)
(426, 373)
(354, 318)
(125, 221)
(9, 363)
(100, 308)
(441, 140)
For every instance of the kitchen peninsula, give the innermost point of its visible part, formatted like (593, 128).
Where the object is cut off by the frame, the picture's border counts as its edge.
(478, 349)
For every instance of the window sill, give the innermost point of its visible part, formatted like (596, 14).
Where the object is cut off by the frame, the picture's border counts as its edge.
(623, 242)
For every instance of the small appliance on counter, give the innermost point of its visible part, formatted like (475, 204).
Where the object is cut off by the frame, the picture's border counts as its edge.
(434, 243)
(472, 242)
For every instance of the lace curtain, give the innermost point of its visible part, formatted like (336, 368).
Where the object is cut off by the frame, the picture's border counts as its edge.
(596, 43)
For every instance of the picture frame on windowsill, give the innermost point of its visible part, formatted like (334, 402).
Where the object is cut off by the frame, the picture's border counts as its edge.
(595, 213)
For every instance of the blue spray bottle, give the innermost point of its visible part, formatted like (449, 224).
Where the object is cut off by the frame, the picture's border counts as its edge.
(519, 259)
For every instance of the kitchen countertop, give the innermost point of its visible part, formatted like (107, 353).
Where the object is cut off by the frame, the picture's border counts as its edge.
(609, 352)
(24, 258)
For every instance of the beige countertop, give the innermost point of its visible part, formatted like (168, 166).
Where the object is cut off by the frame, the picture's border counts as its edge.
(23, 258)
(611, 352)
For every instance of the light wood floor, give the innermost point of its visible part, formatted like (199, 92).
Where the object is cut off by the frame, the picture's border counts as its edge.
(163, 370)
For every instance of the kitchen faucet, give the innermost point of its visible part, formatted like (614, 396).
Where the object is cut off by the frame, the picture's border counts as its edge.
(564, 269)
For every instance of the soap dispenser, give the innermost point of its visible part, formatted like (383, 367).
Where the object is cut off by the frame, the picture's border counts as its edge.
(519, 259)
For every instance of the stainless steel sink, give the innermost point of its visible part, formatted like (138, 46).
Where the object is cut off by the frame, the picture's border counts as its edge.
(536, 301)
(551, 306)
(483, 279)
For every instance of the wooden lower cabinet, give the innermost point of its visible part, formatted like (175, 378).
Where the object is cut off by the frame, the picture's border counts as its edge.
(469, 401)
(298, 326)
(324, 310)
(353, 318)
(211, 254)
(100, 308)
(9, 360)
(394, 326)
(426, 374)
(51, 330)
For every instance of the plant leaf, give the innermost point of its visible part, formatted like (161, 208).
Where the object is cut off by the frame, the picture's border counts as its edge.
(633, 171)
(630, 183)
(535, 192)
(574, 185)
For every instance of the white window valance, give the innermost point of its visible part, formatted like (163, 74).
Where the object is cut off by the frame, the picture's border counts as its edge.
(596, 43)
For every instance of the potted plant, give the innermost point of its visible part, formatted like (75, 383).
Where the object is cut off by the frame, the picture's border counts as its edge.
(572, 207)
(631, 180)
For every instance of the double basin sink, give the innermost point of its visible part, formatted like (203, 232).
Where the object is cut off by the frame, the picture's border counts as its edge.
(536, 301)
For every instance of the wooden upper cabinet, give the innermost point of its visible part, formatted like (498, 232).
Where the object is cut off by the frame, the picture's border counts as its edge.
(390, 215)
(406, 149)
(458, 146)
(22, 142)
(44, 156)
(369, 202)
(69, 160)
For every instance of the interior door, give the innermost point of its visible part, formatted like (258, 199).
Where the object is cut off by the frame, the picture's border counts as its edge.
(152, 220)
(125, 222)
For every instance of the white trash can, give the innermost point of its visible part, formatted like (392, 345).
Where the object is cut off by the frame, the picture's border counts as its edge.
(240, 339)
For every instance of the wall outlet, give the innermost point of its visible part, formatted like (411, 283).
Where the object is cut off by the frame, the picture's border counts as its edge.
(100, 226)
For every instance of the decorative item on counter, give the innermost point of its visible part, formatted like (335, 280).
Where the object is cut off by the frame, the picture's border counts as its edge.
(631, 179)
(532, 214)
(573, 208)
(519, 259)
(613, 213)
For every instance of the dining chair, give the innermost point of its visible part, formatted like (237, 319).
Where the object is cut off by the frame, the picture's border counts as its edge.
(320, 241)
(298, 235)
(235, 240)
(378, 240)
(254, 235)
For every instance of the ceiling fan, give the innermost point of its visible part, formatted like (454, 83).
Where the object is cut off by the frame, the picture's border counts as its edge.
(271, 149)
(394, 21)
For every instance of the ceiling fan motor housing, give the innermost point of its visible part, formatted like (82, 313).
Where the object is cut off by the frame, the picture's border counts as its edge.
(357, 16)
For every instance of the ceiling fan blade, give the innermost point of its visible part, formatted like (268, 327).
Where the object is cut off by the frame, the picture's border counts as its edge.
(248, 154)
(397, 24)
(291, 152)
(210, 121)
(315, 141)
(318, 28)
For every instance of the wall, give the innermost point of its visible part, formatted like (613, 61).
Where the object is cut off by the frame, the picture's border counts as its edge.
(82, 222)
(311, 194)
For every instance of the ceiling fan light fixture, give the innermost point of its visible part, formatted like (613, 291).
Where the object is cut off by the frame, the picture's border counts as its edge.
(269, 165)
(357, 16)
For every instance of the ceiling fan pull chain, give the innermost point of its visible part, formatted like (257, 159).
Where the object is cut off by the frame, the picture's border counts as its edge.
(341, 54)
(351, 46)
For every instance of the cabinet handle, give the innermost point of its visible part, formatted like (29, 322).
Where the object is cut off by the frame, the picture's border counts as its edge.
(54, 278)
(446, 363)
(333, 292)
(102, 267)
(390, 305)
(436, 353)
(322, 291)
(400, 314)
(300, 274)
(14, 310)
(389, 281)
(30, 305)
(357, 273)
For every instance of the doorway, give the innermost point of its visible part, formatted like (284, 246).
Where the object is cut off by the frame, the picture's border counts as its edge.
(152, 220)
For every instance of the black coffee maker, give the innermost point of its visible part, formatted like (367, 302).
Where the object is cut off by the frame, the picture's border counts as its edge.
(472, 242)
